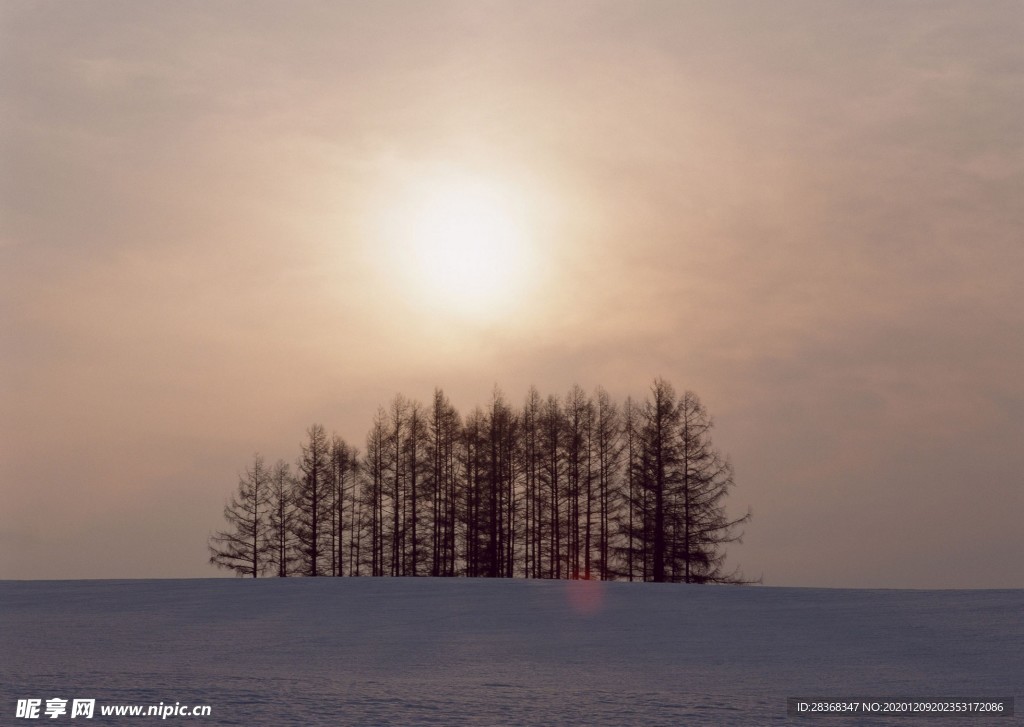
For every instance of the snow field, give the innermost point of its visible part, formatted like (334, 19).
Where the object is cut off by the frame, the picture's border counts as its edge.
(377, 651)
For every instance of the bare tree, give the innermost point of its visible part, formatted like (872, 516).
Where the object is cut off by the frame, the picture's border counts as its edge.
(677, 522)
(472, 503)
(629, 518)
(416, 496)
(442, 437)
(243, 546)
(343, 469)
(552, 476)
(280, 517)
(699, 525)
(576, 417)
(497, 491)
(608, 449)
(312, 502)
(656, 471)
(397, 474)
(373, 490)
(531, 455)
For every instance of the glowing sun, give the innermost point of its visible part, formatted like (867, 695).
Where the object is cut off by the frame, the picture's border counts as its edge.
(465, 245)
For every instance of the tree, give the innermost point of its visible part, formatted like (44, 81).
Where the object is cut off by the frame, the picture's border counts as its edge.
(472, 503)
(629, 522)
(243, 547)
(312, 502)
(416, 466)
(659, 468)
(280, 516)
(677, 522)
(699, 524)
(344, 466)
(509, 446)
(373, 489)
(608, 451)
(442, 437)
(551, 471)
(353, 511)
(399, 409)
(577, 413)
(498, 490)
(531, 455)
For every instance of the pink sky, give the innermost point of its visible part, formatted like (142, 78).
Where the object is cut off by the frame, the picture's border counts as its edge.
(810, 214)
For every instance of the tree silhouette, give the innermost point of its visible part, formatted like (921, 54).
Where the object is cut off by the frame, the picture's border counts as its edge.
(699, 523)
(243, 547)
(572, 488)
(312, 502)
(280, 519)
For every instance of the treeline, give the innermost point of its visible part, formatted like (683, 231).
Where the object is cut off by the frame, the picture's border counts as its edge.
(573, 487)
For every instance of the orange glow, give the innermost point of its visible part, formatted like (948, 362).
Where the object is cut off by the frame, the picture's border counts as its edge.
(586, 597)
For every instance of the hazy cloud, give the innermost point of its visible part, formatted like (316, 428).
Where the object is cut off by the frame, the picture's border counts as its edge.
(809, 213)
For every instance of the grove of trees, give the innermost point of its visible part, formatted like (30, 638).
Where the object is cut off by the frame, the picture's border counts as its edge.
(571, 487)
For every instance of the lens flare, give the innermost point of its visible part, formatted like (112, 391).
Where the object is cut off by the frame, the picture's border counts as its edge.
(585, 596)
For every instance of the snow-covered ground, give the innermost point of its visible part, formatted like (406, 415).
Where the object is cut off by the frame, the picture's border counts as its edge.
(448, 652)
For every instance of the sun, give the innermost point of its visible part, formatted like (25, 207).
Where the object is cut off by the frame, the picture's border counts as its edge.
(465, 245)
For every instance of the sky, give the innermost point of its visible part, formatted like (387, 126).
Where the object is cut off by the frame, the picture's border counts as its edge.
(215, 225)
